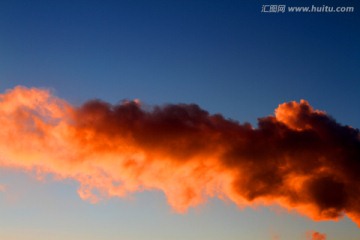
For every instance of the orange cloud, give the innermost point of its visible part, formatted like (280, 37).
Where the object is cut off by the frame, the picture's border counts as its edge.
(300, 158)
(313, 235)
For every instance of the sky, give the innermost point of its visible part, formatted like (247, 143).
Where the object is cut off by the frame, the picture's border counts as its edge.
(228, 57)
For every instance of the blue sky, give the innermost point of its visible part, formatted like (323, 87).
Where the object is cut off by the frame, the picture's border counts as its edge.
(226, 56)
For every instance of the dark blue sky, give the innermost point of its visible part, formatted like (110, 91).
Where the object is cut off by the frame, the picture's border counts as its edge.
(225, 55)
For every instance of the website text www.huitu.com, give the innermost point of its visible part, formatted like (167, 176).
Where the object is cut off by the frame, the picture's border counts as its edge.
(307, 9)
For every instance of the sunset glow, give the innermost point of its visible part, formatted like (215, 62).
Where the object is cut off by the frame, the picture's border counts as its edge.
(179, 120)
(300, 158)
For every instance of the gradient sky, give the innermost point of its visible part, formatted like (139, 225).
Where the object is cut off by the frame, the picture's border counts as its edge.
(226, 56)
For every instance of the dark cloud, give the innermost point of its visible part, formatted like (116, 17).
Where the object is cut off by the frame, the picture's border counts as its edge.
(300, 158)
